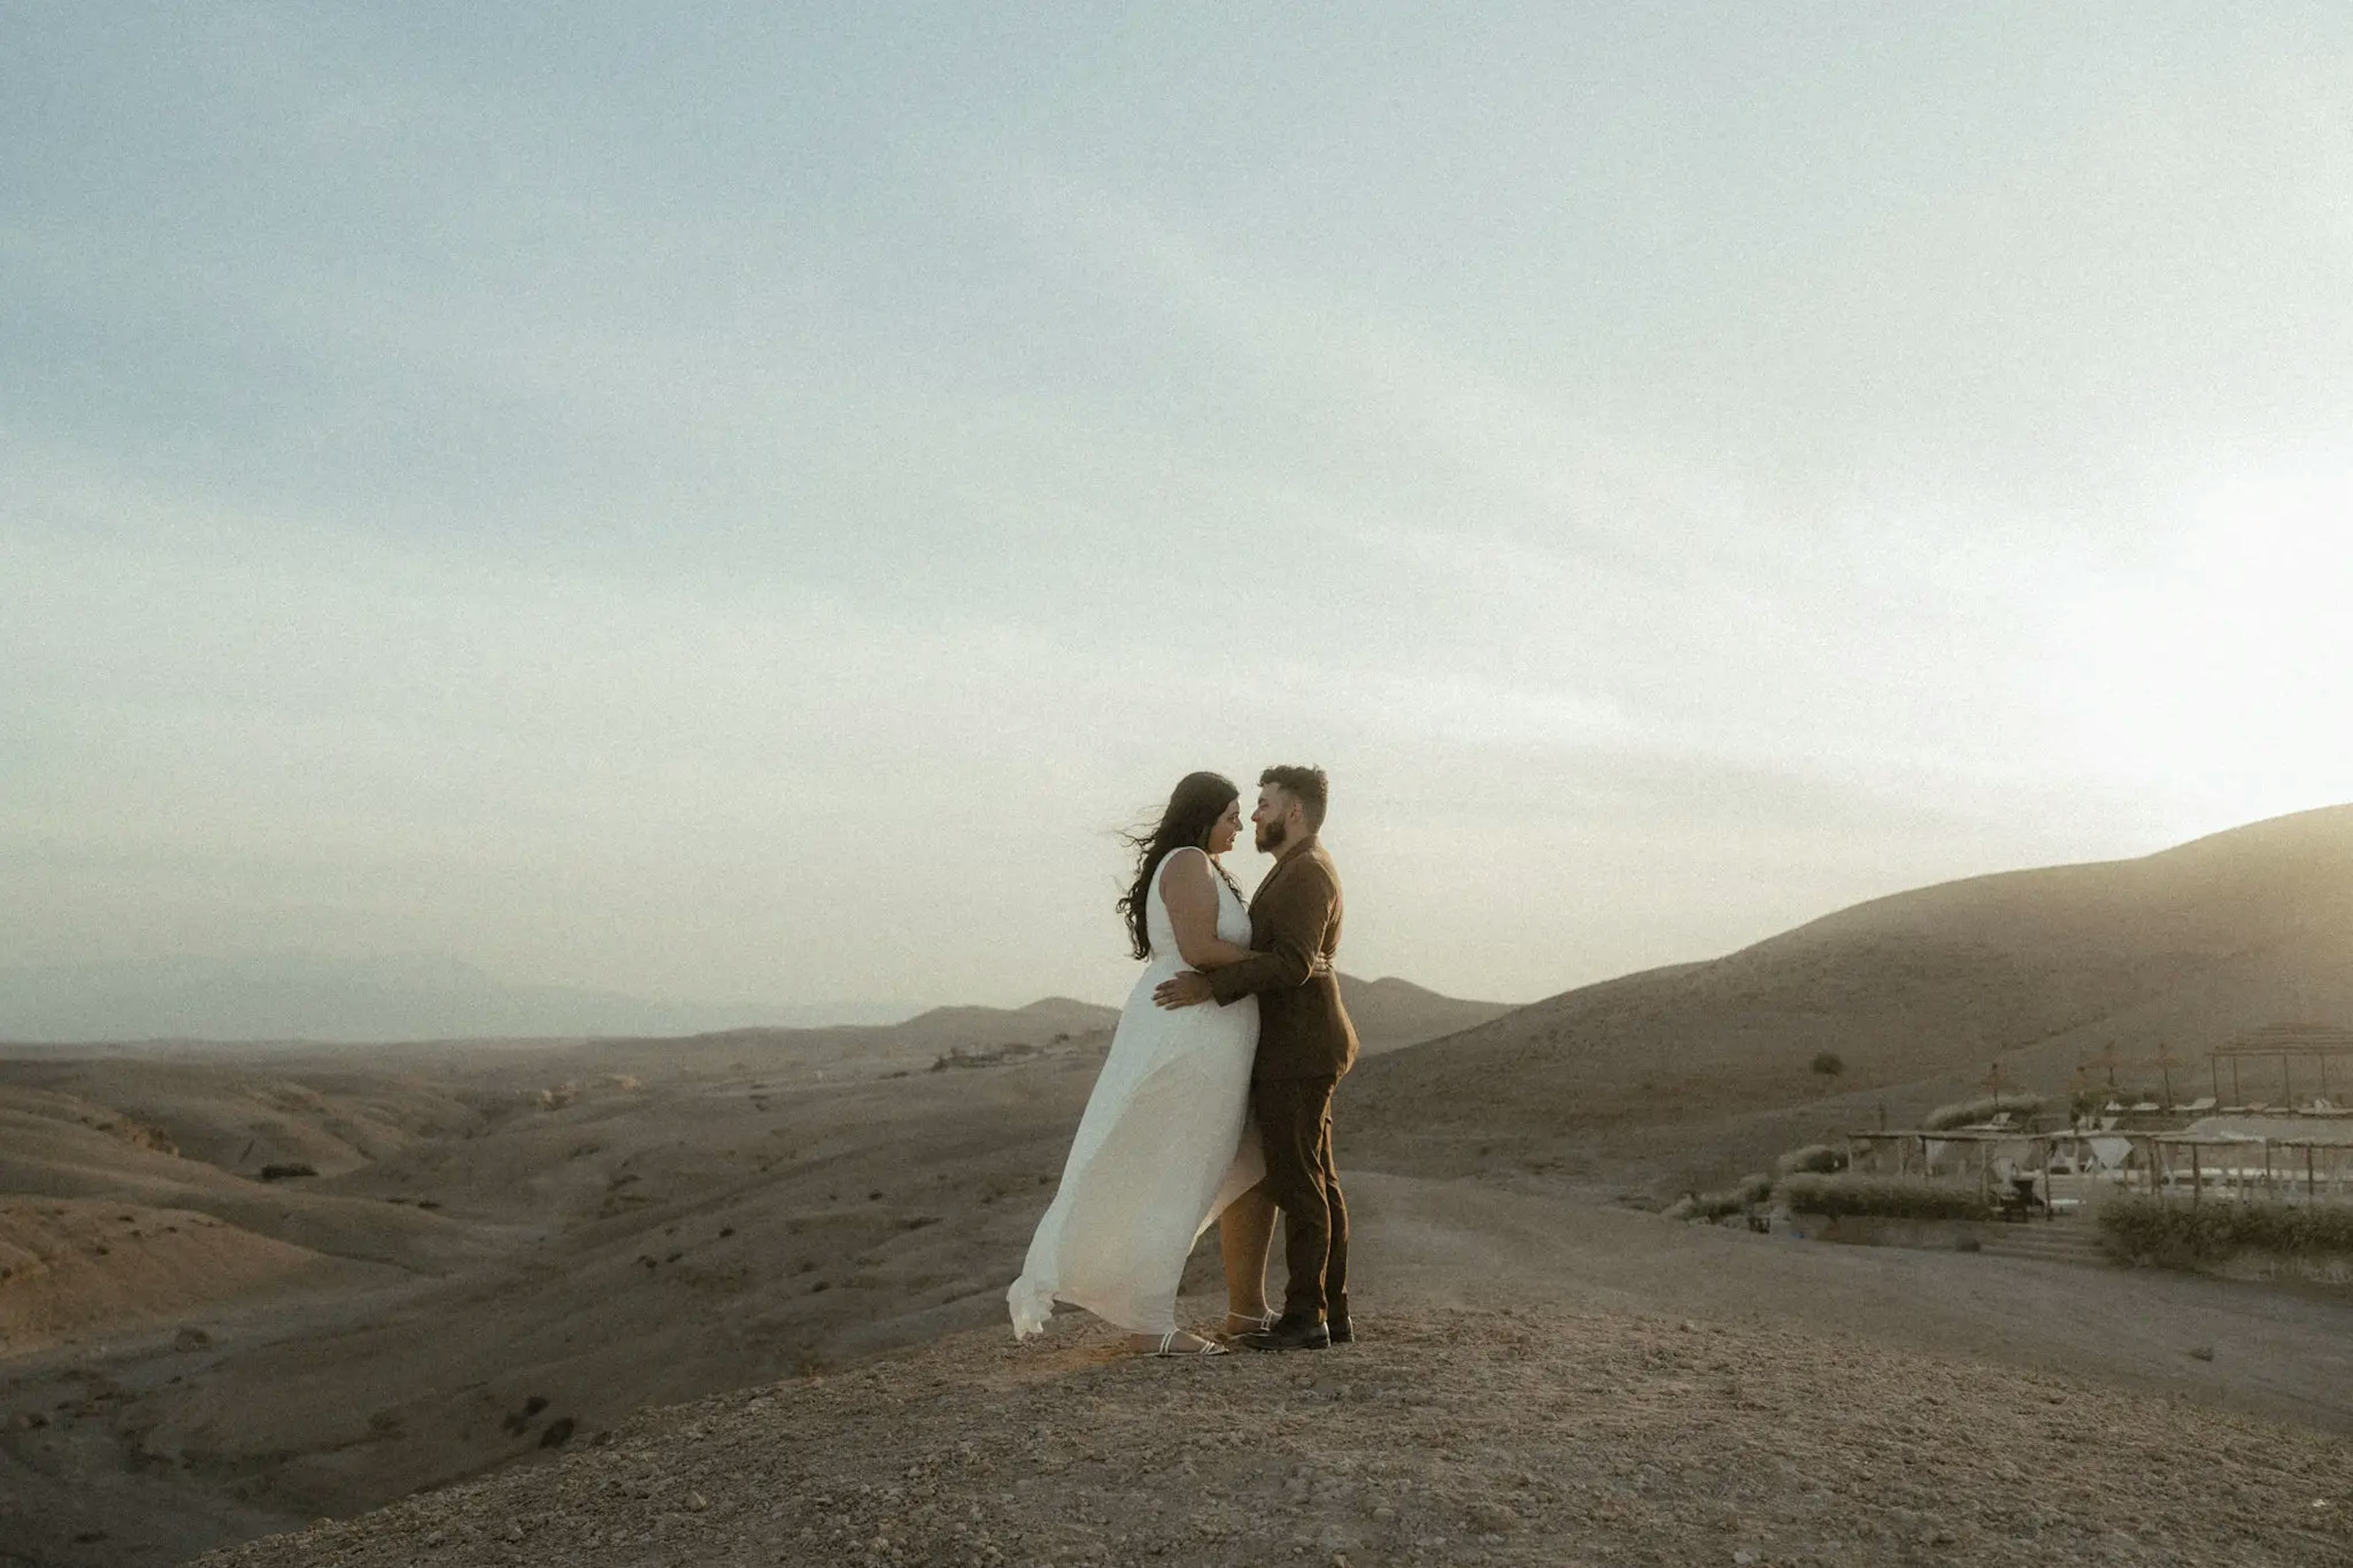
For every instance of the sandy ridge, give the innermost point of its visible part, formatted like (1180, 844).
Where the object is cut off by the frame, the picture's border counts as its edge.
(1527, 1436)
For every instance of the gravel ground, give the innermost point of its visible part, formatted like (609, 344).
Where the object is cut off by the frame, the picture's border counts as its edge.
(1534, 1435)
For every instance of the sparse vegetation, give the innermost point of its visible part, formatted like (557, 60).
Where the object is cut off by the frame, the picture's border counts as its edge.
(983, 1056)
(1891, 1198)
(2137, 1226)
(1748, 1193)
(1961, 1113)
(1830, 1064)
(1814, 1157)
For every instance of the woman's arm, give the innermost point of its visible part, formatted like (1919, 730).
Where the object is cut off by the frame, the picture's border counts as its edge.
(1192, 899)
(1292, 916)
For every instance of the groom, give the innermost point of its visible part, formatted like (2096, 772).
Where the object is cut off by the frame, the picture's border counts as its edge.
(1305, 1044)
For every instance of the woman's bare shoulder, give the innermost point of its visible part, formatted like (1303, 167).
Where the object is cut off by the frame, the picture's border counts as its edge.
(1186, 868)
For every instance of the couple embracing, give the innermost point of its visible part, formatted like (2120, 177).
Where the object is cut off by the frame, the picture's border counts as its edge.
(1215, 1102)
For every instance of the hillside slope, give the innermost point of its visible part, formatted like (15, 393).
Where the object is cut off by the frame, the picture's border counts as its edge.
(1531, 1436)
(1390, 1014)
(1691, 1073)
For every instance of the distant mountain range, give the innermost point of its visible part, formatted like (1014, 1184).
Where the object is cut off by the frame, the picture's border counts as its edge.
(312, 997)
(1390, 1012)
(307, 996)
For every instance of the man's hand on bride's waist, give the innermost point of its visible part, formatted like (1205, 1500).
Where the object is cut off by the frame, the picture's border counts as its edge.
(1185, 988)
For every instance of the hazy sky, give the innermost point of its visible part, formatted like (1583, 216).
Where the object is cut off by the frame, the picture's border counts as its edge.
(742, 505)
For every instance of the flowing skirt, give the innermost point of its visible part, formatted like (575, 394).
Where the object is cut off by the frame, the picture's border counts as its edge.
(1165, 1143)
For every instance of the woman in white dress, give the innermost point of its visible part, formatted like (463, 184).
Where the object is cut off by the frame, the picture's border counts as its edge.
(1166, 1142)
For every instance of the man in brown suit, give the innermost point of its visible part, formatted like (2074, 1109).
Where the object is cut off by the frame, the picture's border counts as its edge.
(1305, 1043)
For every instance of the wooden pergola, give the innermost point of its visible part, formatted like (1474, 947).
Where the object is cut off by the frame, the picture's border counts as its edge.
(2318, 1167)
(2109, 1061)
(1905, 1140)
(1864, 1147)
(2286, 1044)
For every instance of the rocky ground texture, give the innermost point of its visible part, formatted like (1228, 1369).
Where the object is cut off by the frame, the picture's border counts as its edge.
(1536, 1435)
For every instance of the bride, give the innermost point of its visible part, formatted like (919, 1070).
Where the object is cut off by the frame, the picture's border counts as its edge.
(1165, 1143)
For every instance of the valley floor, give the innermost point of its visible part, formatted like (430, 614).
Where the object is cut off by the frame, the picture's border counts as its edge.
(834, 1248)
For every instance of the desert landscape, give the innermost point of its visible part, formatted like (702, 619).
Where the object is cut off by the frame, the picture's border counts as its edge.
(739, 1297)
(610, 615)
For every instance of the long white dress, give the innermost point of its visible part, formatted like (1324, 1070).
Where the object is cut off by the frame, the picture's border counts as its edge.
(1165, 1144)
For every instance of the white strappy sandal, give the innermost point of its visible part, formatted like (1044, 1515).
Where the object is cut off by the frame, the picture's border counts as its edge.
(1207, 1347)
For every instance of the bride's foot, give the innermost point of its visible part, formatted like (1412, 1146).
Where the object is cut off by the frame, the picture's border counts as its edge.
(1248, 1323)
(1175, 1342)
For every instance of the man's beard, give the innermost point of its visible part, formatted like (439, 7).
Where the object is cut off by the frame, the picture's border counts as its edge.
(1271, 836)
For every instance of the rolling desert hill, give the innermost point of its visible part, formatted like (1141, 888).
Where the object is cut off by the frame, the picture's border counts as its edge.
(1689, 1075)
(508, 1249)
(1390, 1014)
(191, 1351)
(195, 1130)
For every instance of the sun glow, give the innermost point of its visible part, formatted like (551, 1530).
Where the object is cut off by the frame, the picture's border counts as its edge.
(2222, 675)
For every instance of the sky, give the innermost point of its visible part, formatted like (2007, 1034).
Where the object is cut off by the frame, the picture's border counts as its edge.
(742, 505)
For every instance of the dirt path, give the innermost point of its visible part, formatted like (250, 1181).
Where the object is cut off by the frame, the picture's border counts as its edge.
(2278, 1352)
(1540, 1435)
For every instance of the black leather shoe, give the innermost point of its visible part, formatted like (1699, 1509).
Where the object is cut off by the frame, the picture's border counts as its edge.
(1340, 1332)
(1288, 1334)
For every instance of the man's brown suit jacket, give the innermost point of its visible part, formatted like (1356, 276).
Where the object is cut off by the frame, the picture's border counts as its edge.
(1302, 1030)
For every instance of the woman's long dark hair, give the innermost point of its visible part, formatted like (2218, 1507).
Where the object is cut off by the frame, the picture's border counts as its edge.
(1194, 807)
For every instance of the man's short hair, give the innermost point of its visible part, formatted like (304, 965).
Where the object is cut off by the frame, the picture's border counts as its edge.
(1305, 786)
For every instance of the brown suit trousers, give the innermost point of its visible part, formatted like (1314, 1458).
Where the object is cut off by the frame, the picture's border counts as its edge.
(1305, 1044)
(1294, 1127)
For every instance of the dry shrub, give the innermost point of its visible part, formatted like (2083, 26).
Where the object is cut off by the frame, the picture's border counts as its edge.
(1963, 1113)
(1750, 1192)
(1819, 1157)
(1891, 1197)
(2135, 1226)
